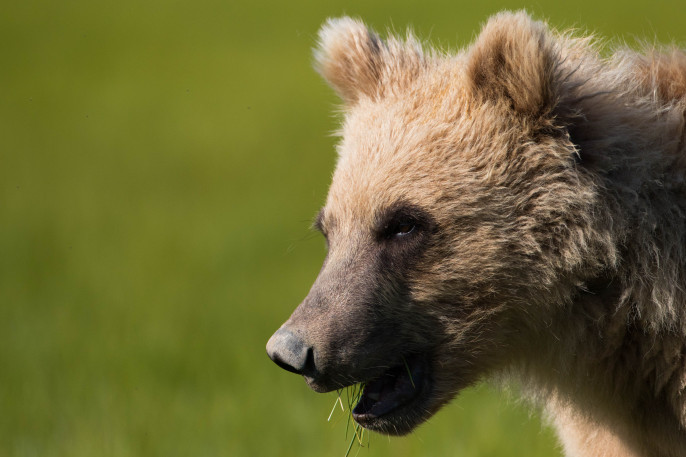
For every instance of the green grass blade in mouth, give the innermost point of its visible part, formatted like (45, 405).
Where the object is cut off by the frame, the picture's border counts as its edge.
(359, 434)
(353, 395)
(407, 367)
(338, 401)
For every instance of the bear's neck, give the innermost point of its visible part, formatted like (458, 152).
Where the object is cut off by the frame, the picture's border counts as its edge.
(599, 356)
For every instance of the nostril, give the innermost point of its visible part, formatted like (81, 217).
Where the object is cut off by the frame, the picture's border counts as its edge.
(309, 368)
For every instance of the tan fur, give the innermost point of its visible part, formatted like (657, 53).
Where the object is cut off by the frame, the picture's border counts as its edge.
(556, 179)
(582, 436)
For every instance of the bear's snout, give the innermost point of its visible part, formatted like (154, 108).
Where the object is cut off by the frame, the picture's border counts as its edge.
(291, 353)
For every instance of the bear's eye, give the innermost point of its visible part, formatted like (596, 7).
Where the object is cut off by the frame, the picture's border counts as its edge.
(400, 228)
(403, 222)
(404, 228)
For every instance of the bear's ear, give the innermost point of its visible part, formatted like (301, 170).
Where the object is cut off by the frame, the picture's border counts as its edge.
(355, 61)
(514, 59)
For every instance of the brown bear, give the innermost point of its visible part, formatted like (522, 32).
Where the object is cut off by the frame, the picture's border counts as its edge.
(516, 211)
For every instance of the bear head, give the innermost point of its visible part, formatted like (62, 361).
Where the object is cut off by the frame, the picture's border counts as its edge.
(458, 216)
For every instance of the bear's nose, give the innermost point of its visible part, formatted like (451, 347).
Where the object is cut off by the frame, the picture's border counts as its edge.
(291, 353)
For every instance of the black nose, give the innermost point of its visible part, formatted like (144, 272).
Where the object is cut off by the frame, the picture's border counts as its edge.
(291, 353)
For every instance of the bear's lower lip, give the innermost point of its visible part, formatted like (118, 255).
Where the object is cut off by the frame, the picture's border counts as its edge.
(394, 389)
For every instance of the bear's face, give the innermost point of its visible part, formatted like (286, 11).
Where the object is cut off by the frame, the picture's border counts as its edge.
(451, 184)
(408, 288)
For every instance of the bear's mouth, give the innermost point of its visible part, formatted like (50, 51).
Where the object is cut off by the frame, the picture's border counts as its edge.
(392, 393)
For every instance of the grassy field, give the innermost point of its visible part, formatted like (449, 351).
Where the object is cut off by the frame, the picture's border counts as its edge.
(160, 165)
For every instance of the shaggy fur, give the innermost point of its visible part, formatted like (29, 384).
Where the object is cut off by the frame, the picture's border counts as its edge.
(549, 247)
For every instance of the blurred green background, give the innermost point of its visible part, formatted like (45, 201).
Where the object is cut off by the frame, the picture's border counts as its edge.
(160, 163)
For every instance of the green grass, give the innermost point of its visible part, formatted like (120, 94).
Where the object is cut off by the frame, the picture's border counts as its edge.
(160, 165)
